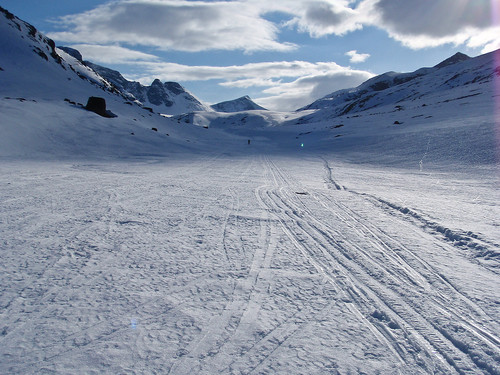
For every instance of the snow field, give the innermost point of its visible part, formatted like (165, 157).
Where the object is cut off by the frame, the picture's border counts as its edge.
(249, 264)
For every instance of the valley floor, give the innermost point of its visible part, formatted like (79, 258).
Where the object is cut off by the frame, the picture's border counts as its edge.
(247, 265)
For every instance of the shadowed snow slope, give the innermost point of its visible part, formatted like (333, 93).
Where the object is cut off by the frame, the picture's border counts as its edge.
(256, 242)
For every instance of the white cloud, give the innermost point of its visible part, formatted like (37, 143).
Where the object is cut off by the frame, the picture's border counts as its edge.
(431, 23)
(236, 73)
(325, 17)
(251, 82)
(112, 54)
(175, 24)
(487, 39)
(416, 24)
(204, 25)
(490, 47)
(357, 57)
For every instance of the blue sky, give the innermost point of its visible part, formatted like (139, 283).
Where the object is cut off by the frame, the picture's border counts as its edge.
(283, 53)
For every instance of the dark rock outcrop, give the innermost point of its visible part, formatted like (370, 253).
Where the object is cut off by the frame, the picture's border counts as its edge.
(98, 105)
(157, 94)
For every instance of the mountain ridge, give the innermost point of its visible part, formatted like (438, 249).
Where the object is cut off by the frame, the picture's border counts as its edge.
(164, 97)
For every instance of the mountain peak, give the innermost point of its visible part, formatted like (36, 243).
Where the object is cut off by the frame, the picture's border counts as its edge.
(457, 57)
(237, 105)
(174, 87)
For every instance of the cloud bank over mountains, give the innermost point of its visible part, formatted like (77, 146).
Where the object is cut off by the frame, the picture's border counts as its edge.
(287, 85)
(112, 33)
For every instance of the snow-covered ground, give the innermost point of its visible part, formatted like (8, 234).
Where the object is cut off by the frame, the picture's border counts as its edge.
(247, 263)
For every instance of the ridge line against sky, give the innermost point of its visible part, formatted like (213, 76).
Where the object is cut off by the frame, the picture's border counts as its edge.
(285, 53)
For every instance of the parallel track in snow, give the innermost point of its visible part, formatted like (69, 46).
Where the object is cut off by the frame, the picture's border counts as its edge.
(402, 298)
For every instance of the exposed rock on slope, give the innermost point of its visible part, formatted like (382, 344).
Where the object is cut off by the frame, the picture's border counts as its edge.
(168, 97)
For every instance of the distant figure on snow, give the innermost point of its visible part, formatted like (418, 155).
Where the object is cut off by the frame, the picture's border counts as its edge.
(249, 141)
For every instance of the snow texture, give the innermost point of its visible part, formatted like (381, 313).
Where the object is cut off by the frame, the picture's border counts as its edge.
(246, 243)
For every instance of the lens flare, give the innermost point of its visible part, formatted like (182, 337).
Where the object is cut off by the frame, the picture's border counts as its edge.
(495, 20)
(496, 98)
(495, 9)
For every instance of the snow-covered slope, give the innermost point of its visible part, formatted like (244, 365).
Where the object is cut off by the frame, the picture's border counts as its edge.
(441, 116)
(168, 98)
(237, 105)
(425, 84)
(31, 65)
(457, 57)
(42, 94)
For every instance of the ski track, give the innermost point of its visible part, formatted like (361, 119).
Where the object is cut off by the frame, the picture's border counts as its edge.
(368, 276)
(447, 297)
(231, 266)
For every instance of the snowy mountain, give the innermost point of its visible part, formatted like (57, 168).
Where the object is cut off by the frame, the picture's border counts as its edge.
(237, 105)
(457, 57)
(168, 97)
(392, 88)
(47, 79)
(43, 92)
(23, 39)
